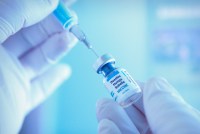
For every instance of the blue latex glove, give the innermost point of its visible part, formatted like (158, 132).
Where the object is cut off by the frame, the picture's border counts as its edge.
(31, 41)
(165, 110)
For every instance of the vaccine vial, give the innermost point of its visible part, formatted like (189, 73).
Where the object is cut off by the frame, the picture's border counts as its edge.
(121, 86)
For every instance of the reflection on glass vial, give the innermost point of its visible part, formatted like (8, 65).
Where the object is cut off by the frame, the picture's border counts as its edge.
(119, 83)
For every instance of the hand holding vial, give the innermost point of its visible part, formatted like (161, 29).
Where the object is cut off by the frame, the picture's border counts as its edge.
(165, 112)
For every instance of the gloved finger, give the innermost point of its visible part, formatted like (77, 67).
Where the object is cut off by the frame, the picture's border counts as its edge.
(166, 111)
(45, 84)
(108, 109)
(41, 57)
(138, 119)
(32, 36)
(17, 14)
(106, 126)
(140, 84)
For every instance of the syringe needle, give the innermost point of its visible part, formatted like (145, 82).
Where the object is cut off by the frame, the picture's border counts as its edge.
(86, 42)
(89, 46)
(94, 52)
(82, 37)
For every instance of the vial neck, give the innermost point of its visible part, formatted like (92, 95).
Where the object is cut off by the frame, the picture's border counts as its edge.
(107, 68)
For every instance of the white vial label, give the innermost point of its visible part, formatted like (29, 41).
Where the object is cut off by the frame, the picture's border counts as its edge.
(121, 85)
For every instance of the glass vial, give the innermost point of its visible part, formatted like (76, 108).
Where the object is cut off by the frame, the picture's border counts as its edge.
(119, 82)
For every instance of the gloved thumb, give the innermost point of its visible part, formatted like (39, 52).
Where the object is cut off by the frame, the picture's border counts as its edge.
(166, 111)
(15, 14)
(108, 127)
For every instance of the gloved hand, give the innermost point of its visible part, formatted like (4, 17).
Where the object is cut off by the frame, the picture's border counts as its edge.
(165, 110)
(30, 43)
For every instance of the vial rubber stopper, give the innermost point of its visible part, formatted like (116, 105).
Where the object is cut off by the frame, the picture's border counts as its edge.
(101, 61)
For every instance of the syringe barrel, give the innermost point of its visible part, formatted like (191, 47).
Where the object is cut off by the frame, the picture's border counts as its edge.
(65, 16)
(69, 21)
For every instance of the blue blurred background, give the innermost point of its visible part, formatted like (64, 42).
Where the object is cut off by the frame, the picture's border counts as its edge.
(147, 37)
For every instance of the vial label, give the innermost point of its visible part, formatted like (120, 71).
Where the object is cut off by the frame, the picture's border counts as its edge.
(121, 85)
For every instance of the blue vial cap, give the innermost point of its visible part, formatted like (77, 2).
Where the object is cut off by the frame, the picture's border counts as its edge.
(101, 61)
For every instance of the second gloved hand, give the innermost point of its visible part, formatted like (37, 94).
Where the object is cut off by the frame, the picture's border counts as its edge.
(165, 110)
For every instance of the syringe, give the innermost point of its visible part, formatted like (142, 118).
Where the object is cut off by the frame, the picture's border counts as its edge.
(70, 22)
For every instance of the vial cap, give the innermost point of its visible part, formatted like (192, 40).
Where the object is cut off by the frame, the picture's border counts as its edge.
(101, 61)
